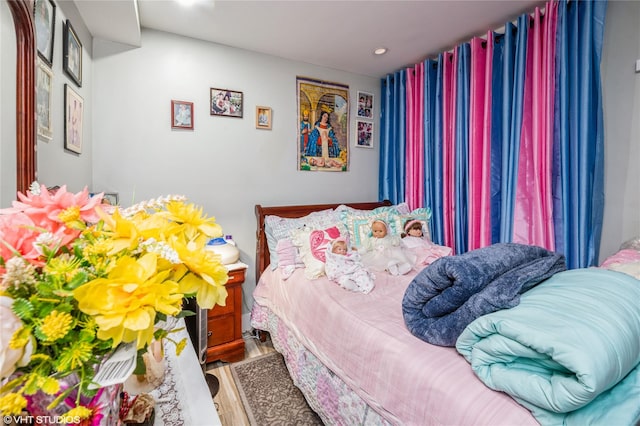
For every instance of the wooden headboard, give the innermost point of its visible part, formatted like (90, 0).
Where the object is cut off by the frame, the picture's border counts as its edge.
(262, 250)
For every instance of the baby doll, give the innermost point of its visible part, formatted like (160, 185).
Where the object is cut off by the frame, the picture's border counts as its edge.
(345, 268)
(424, 250)
(384, 252)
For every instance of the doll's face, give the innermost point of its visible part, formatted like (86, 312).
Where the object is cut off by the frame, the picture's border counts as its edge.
(415, 232)
(378, 230)
(339, 248)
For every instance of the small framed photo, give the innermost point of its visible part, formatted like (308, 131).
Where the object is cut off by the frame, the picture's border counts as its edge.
(73, 116)
(45, 23)
(365, 105)
(110, 198)
(181, 115)
(365, 134)
(263, 117)
(226, 103)
(72, 54)
(44, 77)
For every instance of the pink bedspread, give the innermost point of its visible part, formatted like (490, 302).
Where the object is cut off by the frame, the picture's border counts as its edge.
(363, 339)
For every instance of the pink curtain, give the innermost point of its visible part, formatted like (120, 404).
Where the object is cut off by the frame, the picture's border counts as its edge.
(533, 220)
(414, 182)
(448, 147)
(479, 201)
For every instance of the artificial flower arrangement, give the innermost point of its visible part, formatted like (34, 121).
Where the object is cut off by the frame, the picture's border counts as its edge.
(77, 281)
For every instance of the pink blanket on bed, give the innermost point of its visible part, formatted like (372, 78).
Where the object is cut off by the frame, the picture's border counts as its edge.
(363, 339)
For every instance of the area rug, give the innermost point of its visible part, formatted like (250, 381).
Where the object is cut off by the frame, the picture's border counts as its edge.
(268, 393)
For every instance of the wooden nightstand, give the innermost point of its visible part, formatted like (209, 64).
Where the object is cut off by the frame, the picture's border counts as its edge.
(224, 323)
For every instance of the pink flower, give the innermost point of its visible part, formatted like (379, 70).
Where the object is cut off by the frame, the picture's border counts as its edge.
(52, 211)
(18, 232)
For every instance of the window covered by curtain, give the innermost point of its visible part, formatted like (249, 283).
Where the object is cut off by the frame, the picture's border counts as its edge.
(502, 137)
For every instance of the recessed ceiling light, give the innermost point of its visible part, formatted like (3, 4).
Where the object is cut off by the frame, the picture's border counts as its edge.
(186, 3)
(380, 51)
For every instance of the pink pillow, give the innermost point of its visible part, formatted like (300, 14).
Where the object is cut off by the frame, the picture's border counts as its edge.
(313, 245)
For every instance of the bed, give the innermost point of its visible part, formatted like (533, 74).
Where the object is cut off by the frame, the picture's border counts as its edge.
(356, 362)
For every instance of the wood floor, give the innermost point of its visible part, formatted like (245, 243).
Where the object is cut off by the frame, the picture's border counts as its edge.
(227, 400)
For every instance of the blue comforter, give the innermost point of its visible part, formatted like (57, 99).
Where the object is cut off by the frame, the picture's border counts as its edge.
(453, 291)
(569, 352)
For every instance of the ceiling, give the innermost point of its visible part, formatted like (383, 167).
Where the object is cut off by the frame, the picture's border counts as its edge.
(335, 34)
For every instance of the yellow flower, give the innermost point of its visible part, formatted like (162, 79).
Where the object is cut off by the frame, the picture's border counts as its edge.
(125, 303)
(189, 220)
(124, 234)
(206, 275)
(12, 404)
(74, 356)
(64, 266)
(56, 325)
(79, 411)
(49, 385)
(71, 217)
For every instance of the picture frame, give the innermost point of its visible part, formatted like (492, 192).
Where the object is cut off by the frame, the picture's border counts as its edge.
(263, 117)
(44, 79)
(323, 126)
(226, 103)
(44, 17)
(181, 115)
(73, 120)
(72, 54)
(364, 134)
(110, 198)
(365, 105)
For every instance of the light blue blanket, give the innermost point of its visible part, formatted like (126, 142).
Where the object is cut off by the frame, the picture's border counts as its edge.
(569, 352)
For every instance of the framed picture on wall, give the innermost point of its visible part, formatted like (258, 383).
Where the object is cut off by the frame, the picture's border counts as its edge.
(323, 125)
(44, 78)
(226, 103)
(365, 134)
(72, 54)
(110, 198)
(44, 14)
(181, 115)
(263, 117)
(73, 116)
(365, 105)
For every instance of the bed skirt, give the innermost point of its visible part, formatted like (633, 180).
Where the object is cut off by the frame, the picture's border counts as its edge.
(325, 392)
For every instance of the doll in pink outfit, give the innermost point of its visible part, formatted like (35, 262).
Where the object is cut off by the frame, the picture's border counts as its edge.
(383, 251)
(426, 252)
(344, 267)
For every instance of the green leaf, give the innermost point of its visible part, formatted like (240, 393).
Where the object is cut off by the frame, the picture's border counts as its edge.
(141, 368)
(23, 309)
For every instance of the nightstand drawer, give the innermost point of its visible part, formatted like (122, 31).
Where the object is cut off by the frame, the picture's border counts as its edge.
(229, 307)
(220, 330)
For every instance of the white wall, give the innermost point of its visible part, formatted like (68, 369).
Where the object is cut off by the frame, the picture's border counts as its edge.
(225, 164)
(621, 98)
(228, 166)
(56, 166)
(8, 181)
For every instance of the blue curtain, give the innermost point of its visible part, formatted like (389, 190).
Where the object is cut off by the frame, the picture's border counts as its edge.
(463, 84)
(515, 64)
(579, 134)
(433, 149)
(393, 138)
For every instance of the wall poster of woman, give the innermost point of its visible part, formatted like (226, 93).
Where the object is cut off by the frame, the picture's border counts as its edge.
(323, 130)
